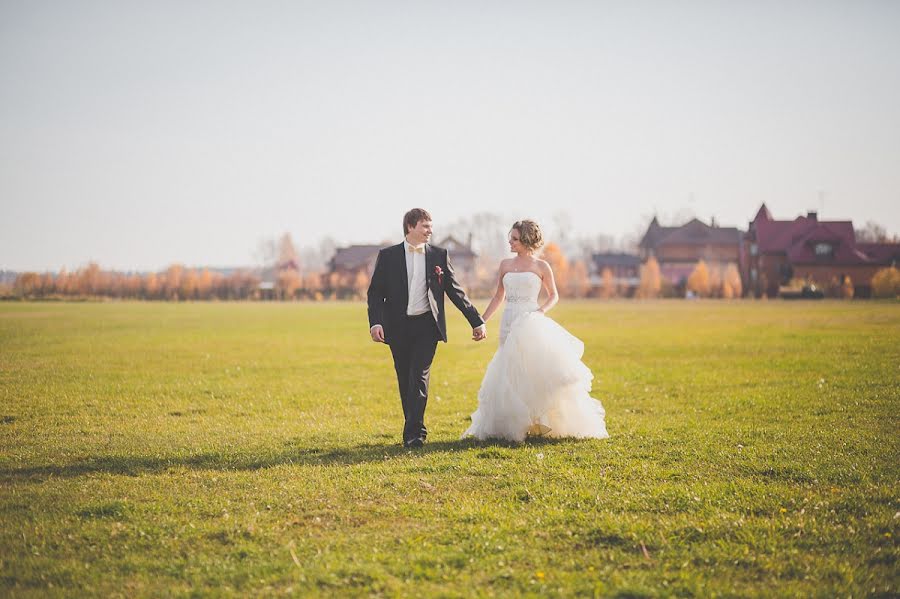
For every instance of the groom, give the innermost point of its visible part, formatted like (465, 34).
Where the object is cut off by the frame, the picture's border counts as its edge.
(406, 311)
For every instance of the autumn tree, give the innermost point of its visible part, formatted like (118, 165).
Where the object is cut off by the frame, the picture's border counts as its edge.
(651, 282)
(150, 286)
(288, 282)
(188, 288)
(241, 285)
(287, 253)
(89, 279)
(715, 280)
(64, 282)
(698, 281)
(579, 282)
(847, 288)
(26, 284)
(172, 282)
(312, 285)
(886, 283)
(731, 282)
(608, 289)
(205, 285)
(560, 265)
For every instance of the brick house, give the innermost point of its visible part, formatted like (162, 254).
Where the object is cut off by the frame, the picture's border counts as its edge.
(678, 249)
(354, 259)
(808, 248)
(625, 270)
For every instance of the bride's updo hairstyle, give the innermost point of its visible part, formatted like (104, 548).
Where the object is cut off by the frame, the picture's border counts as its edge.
(529, 234)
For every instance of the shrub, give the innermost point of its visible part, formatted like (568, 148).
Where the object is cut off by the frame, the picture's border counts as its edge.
(847, 288)
(698, 282)
(886, 283)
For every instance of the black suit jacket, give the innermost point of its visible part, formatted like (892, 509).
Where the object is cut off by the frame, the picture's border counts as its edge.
(388, 293)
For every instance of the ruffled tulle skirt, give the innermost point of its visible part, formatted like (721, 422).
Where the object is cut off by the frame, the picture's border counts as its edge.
(536, 383)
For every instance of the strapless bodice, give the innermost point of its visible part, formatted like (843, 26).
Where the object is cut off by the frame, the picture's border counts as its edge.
(522, 290)
(521, 287)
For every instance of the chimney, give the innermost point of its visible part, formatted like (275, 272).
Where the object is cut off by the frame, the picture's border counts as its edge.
(812, 215)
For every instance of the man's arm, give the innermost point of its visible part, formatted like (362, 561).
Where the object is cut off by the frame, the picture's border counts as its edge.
(459, 298)
(375, 297)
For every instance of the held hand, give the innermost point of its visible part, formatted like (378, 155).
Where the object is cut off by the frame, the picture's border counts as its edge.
(377, 333)
(479, 333)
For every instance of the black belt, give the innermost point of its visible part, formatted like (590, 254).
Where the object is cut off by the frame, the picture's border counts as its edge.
(419, 316)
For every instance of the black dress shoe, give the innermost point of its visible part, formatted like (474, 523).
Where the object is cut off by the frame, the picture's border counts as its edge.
(412, 443)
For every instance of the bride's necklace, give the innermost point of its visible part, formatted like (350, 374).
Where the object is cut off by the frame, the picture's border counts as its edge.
(517, 269)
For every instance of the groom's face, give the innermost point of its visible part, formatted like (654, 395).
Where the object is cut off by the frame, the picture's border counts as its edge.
(421, 233)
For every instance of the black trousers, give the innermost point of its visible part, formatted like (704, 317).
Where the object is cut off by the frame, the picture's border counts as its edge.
(413, 350)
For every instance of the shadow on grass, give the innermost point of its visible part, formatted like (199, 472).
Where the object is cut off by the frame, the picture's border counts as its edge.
(334, 456)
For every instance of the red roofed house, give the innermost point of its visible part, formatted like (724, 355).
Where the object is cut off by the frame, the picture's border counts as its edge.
(822, 251)
(361, 258)
(678, 249)
(355, 259)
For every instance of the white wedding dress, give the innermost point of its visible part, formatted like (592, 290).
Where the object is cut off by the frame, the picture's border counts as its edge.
(536, 383)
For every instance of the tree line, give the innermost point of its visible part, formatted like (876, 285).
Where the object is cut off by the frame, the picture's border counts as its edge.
(179, 283)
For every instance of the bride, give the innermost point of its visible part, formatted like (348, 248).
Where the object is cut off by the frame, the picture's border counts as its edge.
(536, 383)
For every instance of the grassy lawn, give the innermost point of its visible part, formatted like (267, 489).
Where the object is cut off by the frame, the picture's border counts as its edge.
(165, 449)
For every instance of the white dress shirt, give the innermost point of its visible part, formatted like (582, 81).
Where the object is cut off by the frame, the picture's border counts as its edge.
(415, 275)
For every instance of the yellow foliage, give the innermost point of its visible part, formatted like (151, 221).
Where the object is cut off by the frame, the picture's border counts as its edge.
(732, 278)
(650, 280)
(579, 283)
(557, 260)
(609, 287)
(847, 289)
(698, 282)
(886, 283)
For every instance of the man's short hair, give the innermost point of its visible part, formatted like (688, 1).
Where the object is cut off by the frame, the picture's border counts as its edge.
(412, 218)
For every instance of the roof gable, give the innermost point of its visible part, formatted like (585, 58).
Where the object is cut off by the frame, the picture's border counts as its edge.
(457, 247)
(762, 214)
(696, 232)
(354, 256)
(693, 232)
(607, 259)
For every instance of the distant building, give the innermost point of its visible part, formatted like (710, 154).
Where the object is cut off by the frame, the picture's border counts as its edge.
(678, 249)
(808, 248)
(625, 270)
(354, 259)
(461, 256)
(267, 288)
(361, 258)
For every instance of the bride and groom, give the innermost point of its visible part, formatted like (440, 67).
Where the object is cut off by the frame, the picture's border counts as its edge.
(536, 383)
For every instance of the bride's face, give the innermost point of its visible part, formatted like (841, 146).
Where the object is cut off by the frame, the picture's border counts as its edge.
(515, 242)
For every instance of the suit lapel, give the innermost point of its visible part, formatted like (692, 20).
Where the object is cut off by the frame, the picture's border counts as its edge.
(404, 276)
(429, 266)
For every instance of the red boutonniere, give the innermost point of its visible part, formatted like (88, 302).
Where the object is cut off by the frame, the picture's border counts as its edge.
(440, 275)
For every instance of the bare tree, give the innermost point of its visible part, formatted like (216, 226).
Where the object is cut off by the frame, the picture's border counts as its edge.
(287, 253)
(651, 283)
(266, 252)
(872, 232)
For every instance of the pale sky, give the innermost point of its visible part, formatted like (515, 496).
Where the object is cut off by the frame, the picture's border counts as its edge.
(138, 134)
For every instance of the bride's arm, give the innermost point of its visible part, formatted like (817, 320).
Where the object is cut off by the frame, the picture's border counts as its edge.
(498, 295)
(550, 286)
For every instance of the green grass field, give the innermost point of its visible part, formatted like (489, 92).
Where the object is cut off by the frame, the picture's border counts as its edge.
(230, 449)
